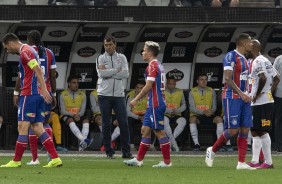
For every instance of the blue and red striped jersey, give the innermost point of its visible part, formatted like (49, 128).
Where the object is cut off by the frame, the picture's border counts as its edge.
(155, 72)
(47, 62)
(238, 64)
(29, 85)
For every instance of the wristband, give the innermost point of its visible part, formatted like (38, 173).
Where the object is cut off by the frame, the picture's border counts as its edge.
(16, 93)
(53, 94)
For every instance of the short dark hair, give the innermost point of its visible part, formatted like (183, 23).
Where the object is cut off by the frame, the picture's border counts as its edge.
(109, 39)
(9, 37)
(71, 77)
(201, 74)
(241, 37)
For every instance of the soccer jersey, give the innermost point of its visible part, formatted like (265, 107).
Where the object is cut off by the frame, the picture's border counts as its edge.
(238, 64)
(29, 85)
(47, 62)
(262, 65)
(155, 72)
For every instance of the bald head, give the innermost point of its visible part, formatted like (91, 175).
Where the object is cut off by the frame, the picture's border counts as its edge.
(256, 45)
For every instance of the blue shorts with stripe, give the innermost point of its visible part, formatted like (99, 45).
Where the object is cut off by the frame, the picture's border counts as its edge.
(154, 118)
(31, 108)
(237, 113)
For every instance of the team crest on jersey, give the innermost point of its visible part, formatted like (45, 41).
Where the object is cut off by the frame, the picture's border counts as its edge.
(265, 122)
(32, 115)
(234, 121)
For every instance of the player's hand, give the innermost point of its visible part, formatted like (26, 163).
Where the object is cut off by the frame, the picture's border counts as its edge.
(76, 117)
(133, 103)
(16, 100)
(246, 98)
(47, 97)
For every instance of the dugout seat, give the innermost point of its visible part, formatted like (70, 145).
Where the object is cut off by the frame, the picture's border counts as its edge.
(128, 2)
(157, 2)
(36, 2)
(8, 2)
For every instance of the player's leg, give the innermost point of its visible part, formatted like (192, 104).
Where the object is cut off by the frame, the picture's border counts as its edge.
(194, 132)
(33, 145)
(168, 132)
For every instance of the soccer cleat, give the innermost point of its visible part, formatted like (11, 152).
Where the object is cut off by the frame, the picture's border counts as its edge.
(56, 162)
(133, 162)
(244, 166)
(12, 163)
(36, 162)
(253, 164)
(209, 157)
(265, 166)
(162, 164)
(197, 147)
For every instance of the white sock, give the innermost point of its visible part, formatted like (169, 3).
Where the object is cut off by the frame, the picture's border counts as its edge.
(256, 149)
(181, 122)
(219, 129)
(100, 127)
(85, 130)
(249, 138)
(116, 133)
(75, 130)
(266, 148)
(194, 133)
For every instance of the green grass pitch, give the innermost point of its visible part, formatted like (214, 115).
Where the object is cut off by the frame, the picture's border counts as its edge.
(95, 169)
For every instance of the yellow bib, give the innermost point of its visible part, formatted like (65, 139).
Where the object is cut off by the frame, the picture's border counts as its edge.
(73, 105)
(173, 100)
(202, 102)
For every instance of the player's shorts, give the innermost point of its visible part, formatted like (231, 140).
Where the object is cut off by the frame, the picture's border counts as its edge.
(237, 113)
(262, 117)
(31, 108)
(154, 117)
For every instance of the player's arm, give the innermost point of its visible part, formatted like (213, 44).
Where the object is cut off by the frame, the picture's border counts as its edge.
(33, 64)
(228, 79)
(143, 92)
(275, 83)
(261, 83)
(17, 91)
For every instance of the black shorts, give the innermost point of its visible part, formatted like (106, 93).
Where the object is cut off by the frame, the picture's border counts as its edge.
(262, 117)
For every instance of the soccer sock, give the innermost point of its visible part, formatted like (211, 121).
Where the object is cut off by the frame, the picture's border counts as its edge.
(221, 141)
(56, 127)
(21, 145)
(144, 146)
(85, 130)
(249, 138)
(75, 130)
(48, 144)
(194, 133)
(256, 149)
(116, 133)
(181, 122)
(242, 144)
(266, 148)
(48, 129)
(168, 131)
(219, 129)
(165, 147)
(33, 144)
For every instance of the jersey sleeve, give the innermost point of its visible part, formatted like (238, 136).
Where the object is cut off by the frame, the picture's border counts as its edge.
(152, 71)
(28, 58)
(53, 60)
(229, 61)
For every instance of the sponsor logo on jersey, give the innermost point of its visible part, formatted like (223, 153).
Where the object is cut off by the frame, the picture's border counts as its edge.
(32, 115)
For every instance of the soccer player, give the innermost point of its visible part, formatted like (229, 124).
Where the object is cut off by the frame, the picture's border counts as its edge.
(154, 116)
(264, 81)
(236, 103)
(48, 66)
(31, 110)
